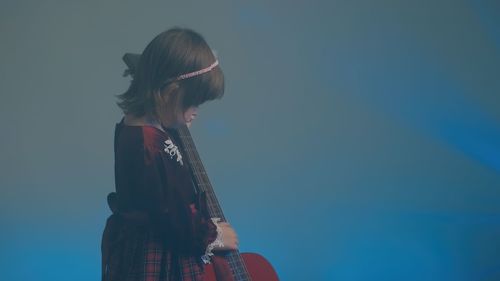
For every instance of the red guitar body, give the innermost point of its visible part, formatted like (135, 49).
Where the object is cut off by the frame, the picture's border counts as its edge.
(259, 269)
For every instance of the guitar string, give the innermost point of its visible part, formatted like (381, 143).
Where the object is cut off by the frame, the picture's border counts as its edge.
(234, 258)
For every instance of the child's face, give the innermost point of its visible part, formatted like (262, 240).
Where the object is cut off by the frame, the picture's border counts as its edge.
(188, 116)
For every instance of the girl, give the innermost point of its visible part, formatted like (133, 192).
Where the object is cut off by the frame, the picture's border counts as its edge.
(160, 228)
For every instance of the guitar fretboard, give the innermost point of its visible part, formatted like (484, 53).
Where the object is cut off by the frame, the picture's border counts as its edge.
(240, 272)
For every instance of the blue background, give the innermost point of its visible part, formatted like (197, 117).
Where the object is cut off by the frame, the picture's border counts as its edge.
(357, 140)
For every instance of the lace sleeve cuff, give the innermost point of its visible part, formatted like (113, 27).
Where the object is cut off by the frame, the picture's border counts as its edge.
(218, 242)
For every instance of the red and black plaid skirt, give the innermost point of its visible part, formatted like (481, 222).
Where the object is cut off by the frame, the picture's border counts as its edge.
(138, 253)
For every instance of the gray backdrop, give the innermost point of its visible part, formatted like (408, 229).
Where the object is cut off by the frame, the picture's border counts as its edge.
(357, 140)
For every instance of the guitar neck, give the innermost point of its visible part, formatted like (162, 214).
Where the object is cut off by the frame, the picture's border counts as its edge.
(240, 273)
(199, 174)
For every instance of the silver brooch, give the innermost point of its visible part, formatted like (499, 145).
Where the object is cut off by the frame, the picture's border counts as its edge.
(173, 150)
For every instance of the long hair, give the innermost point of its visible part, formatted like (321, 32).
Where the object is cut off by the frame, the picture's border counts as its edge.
(170, 54)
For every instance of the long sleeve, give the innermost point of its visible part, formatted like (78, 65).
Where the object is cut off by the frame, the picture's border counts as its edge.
(158, 218)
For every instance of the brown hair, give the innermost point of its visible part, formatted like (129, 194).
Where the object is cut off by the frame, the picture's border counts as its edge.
(172, 53)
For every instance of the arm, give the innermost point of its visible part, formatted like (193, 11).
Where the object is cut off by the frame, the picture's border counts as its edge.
(170, 192)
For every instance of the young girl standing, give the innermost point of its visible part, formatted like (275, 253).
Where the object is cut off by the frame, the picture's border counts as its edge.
(160, 228)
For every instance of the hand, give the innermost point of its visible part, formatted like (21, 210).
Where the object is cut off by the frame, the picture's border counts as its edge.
(229, 237)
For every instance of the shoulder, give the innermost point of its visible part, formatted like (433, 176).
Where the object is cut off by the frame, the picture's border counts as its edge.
(161, 144)
(153, 138)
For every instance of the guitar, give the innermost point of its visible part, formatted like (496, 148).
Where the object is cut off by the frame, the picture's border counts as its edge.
(243, 267)
(230, 265)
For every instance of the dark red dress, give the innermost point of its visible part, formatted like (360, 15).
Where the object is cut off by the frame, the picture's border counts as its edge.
(160, 228)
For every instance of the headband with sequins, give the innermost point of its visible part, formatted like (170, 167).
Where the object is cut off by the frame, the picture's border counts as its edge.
(194, 73)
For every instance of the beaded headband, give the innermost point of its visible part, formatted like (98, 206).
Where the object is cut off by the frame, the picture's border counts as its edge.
(194, 73)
